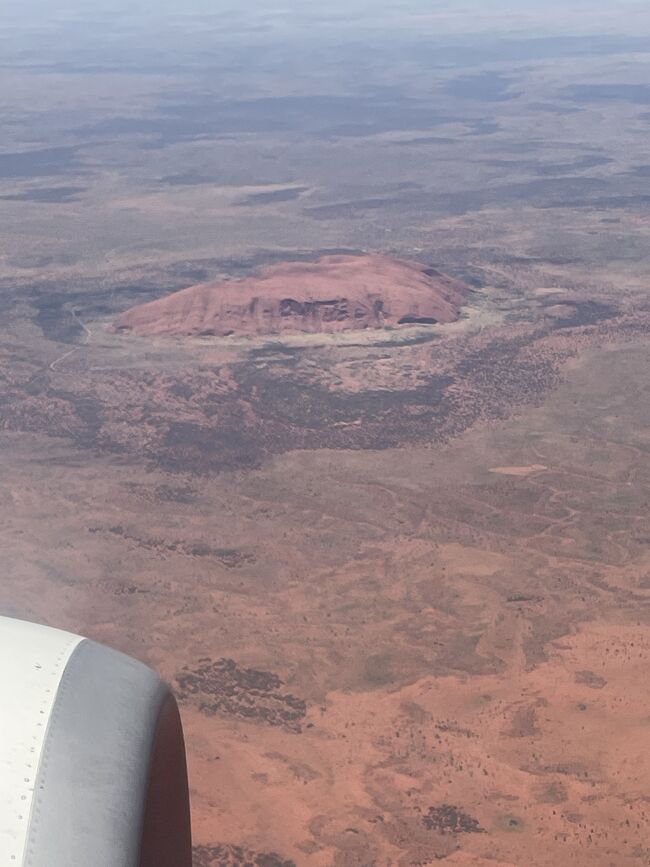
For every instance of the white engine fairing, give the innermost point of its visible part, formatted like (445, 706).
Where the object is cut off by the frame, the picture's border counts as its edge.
(92, 760)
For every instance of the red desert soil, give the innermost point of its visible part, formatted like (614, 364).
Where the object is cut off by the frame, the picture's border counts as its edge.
(335, 293)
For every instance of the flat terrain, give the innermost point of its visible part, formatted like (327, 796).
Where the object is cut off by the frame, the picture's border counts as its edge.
(361, 638)
(399, 579)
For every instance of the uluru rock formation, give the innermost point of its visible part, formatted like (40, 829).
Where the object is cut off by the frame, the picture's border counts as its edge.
(334, 293)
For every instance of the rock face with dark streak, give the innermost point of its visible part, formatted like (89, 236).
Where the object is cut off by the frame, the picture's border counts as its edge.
(334, 293)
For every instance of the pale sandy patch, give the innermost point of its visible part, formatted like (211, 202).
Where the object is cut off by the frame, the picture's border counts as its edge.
(474, 561)
(518, 471)
(543, 291)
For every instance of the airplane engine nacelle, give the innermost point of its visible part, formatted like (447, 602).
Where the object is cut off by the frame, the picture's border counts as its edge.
(92, 758)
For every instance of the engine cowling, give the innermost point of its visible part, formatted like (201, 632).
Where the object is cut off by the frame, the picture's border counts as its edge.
(92, 756)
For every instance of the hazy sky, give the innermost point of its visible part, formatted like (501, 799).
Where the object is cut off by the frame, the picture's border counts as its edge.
(549, 16)
(157, 34)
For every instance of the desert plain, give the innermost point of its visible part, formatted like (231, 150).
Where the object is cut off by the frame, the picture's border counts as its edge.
(398, 577)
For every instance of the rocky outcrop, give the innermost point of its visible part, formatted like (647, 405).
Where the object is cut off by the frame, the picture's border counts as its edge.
(334, 293)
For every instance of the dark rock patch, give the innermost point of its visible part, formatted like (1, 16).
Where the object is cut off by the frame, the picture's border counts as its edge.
(230, 855)
(246, 694)
(591, 679)
(448, 819)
